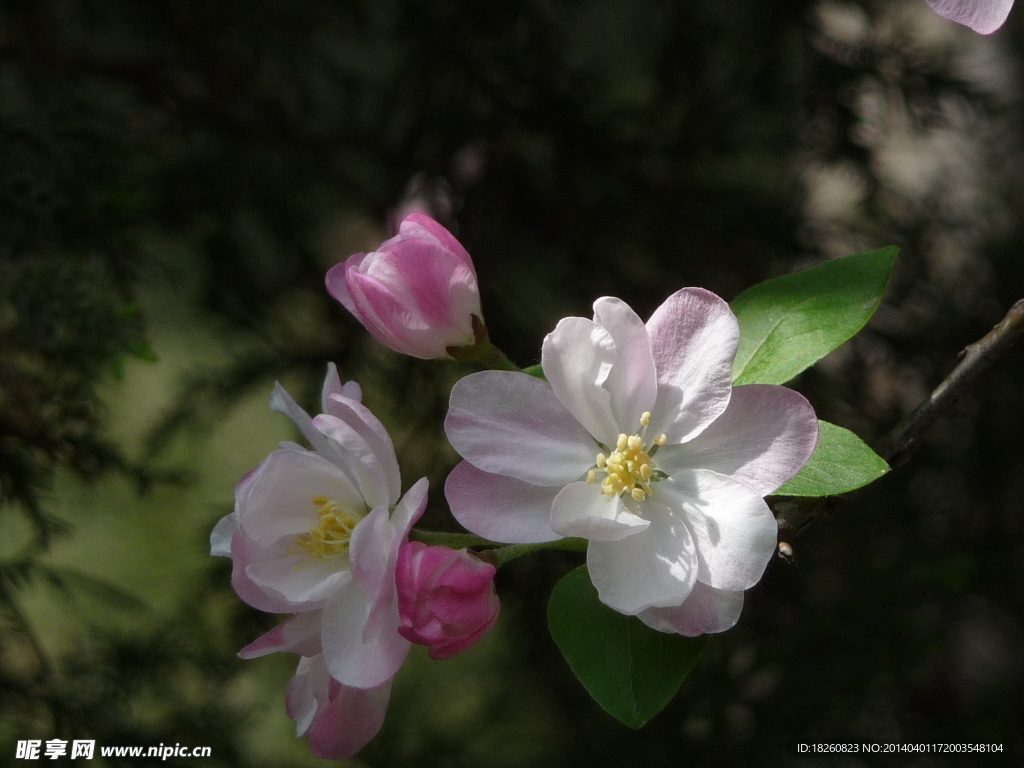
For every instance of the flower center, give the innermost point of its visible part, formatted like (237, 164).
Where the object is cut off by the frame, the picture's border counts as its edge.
(333, 530)
(629, 468)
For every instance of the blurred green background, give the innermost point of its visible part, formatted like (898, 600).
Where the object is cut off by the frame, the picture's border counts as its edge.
(177, 175)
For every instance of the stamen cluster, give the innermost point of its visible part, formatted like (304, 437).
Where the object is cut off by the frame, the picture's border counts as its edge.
(331, 536)
(629, 468)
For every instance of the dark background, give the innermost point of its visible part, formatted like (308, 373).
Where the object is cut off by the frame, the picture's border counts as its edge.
(175, 178)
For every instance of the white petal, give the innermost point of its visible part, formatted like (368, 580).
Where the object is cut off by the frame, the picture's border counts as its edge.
(512, 424)
(633, 381)
(300, 579)
(368, 427)
(351, 659)
(582, 510)
(410, 509)
(279, 499)
(705, 611)
(370, 550)
(655, 568)
(693, 337)
(282, 402)
(356, 457)
(500, 508)
(734, 531)
(984, 16)
(762, 439)
(307, 692)
(220, 536)
(577, 358)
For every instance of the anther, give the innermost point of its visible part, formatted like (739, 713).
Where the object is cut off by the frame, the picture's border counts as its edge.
(645, 418)
(591, 477)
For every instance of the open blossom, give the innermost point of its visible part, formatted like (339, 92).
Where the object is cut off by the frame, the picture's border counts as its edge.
(446, 598)
(984, 16)
(317, 533)
(638, 442)
(417, 293)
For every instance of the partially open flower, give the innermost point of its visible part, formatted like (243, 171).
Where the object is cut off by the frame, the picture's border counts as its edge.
(416, 294)
(446, 598)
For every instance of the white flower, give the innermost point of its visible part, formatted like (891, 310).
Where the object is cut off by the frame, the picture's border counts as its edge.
(315, 531)
(638, 442)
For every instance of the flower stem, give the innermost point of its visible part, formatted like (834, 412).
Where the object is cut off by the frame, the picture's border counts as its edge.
(502, 555)
(493, 552)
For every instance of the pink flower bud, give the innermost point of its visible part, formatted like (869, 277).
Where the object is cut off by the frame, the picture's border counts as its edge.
(446, 598)
(416, 294)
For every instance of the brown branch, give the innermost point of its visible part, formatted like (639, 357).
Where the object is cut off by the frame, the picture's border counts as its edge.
(905, 438)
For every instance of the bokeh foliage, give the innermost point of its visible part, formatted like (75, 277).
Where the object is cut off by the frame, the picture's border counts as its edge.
(225, 154)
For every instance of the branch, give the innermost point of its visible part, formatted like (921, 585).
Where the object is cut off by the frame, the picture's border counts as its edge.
(905, 438)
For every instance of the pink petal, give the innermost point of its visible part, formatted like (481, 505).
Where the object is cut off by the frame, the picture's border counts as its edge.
(300, 634)
(582, 510)
(307, 691)
(693, 336)
(633, 381)
(734, 531)
(984, 16)
(500, 508)
(762, 439)
(417, 225)
(512, 424)
(705, 611)
(654, 568)
(348, 723)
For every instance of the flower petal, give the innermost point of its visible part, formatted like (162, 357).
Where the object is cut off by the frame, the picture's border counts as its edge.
(369, 428)
(351, 659)
(655, 568)
(706, 610)
(307, 691)
(762, 439)
(302, 581)
(221, 535)
(577, 358)
(984, 16)
(300, 634)
(358, 459)
(500, 508)
(278, 500)
(633, 381)
(348, 723)
(418, 225)
(512, 424)
(734, 531)
(580, 509)
(694, 336)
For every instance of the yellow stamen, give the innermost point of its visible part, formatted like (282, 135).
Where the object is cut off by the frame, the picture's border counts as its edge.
(629, 468)
(333, 531)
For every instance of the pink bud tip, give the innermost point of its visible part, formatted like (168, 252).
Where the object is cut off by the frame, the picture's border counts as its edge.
(417, 293)
(446, 598)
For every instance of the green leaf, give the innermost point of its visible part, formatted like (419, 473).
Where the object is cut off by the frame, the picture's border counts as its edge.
(631, 670)
(840, 463)
(789, 323)
(535, 370)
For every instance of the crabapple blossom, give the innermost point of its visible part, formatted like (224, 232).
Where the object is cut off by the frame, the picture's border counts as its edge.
(319, 531)
(417, 293)
(984, 16)
(446, 598)
(638, 442)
